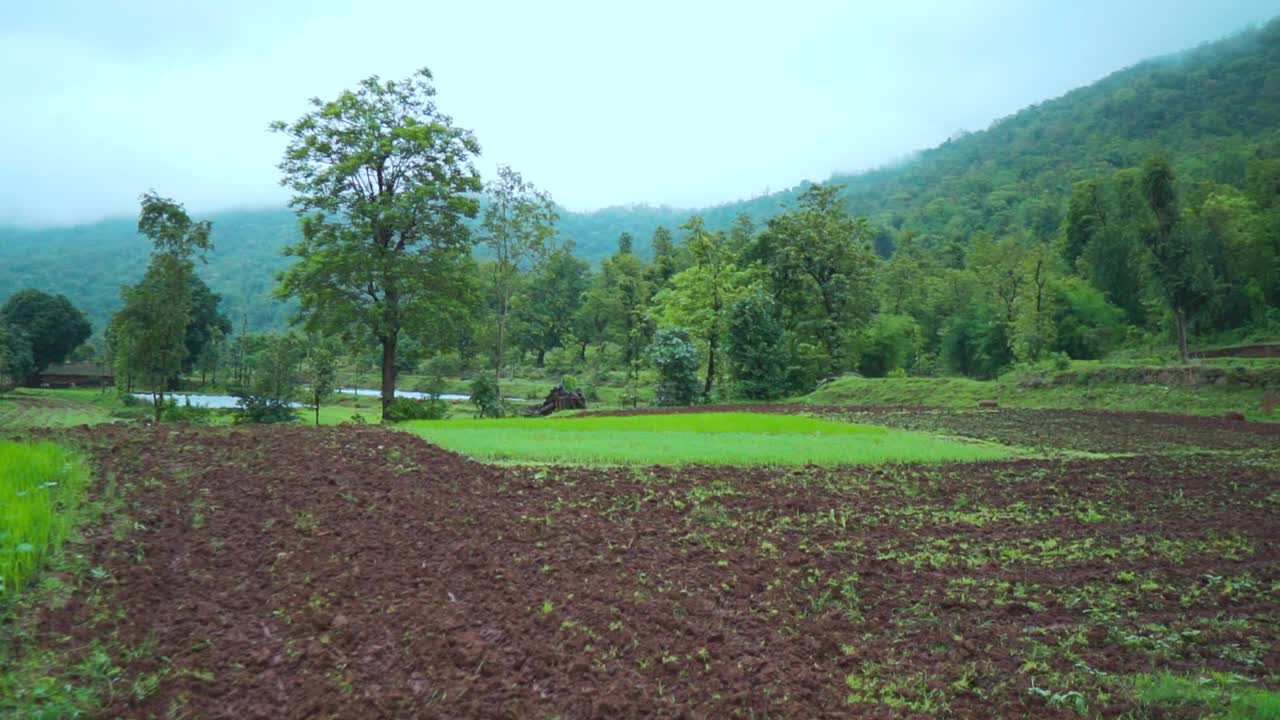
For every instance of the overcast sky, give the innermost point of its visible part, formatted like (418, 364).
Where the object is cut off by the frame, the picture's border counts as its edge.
(601, 103)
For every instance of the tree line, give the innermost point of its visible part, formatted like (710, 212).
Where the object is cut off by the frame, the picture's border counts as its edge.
(389, 205)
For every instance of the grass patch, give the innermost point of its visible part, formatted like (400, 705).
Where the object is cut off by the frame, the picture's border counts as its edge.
(42, 485)
(964, 393)
(1219, 695)
(695, 438)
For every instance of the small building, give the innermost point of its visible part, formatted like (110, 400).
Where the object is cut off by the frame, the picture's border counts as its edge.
(74, 374)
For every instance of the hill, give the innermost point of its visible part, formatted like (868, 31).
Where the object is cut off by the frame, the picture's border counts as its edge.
(1213, 109)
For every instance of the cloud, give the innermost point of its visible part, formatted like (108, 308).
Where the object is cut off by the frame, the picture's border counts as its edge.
(600, 103)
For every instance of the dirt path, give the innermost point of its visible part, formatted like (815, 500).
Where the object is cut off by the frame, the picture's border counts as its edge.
(360, 573)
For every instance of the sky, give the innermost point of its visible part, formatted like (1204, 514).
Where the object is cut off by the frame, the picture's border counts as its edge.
(680, 103)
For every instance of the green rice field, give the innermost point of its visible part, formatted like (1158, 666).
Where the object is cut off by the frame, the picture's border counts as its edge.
(717, 438)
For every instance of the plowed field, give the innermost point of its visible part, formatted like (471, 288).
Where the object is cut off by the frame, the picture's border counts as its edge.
(360, 573)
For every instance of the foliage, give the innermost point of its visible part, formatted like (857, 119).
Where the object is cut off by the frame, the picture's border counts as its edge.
(890, 342)
(409, 409)
(975, 342)
(254, 409)
(150, 331)
(52, 326)
(322, 372)
(674, 356)
(15, 354)
(820, 263)
(698, 297)
(519, 220)
(484, 395)
(276, 385)
(756, 353)
(382, 181)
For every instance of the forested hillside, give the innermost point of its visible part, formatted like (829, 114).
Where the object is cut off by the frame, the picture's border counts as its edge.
(1214, 111)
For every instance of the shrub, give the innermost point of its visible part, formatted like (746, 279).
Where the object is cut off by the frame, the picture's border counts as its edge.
(484, 395)
(260, 409)
(677, 362)
(409, 409)
(186, 413)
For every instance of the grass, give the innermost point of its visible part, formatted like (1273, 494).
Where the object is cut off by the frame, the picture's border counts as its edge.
(27, 408)
(43, 483)
(694, 438)
(1217, 696)
(956, 392)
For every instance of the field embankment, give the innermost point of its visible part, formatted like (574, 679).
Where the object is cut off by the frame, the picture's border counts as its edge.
(1191, 390)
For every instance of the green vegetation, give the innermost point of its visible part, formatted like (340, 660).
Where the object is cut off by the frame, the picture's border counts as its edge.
(1014, 390)
(1219, 695)
(43, 485)
(694, 438)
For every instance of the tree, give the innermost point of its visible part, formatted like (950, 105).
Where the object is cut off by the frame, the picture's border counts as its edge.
(151, 328)
(1086, 216)
(382, 181)
(888, 343)
(207, 324)
(518, 222)
(275, 384)
(755, 347)
(53, 327)
(699, 295)
(554, 294)
(677, 363)
(322, 373)
(15, 355)
(821, 263)
(1178, 267)
(664, 257)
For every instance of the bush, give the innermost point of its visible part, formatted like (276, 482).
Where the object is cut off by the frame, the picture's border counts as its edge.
(186, 413)
(677, 362)
(484, 395)
(409, 409)
(260, 409)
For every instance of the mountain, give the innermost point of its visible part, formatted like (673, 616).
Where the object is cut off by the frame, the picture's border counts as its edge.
(1212, 109)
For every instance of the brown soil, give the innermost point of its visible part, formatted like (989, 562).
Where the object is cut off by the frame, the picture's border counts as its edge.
(360, 573)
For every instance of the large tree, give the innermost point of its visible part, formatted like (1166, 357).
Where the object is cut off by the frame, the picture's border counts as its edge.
(383, 182)
(821, 263)
(518, 221)
(151, 329)
(553, 296)
(15, 355)
(699, 296)
(1178, 266)
(52, 325)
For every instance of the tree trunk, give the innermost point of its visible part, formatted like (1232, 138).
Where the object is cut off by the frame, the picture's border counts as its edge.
(317, 412)
(582, 352)
(542, 354)
(711, 369)
(157, 400)
(388, 371)
(1180, 316)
